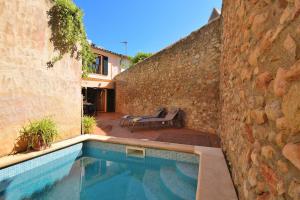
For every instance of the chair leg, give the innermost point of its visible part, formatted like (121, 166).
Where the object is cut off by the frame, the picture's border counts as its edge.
(127, 123)
(133, 126)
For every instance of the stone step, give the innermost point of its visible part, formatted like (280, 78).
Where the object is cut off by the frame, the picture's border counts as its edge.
(188, 171)
(103, 188)
(178, 186)
(152, 186)
(135, 190)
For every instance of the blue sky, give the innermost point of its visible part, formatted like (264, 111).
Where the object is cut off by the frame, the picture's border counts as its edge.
(147, 25)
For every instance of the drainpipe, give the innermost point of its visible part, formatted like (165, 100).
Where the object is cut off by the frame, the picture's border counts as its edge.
(82, 110)
(111, 71)
(81, 128)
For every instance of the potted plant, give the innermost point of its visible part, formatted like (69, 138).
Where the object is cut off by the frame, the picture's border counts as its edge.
(89, 124)
(40, 134)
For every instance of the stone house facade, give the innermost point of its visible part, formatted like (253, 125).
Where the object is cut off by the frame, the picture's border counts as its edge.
(98, 88)
(238, 77)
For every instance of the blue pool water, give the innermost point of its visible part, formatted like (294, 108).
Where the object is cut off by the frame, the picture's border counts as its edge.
(95, 170)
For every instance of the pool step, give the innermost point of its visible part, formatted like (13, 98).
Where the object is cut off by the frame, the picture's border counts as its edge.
(152, 187)
(176, 184)
(135, 190)
(103, 188)
(188, 171)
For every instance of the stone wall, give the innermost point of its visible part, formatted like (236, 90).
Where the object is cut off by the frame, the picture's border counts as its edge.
(260, 97)
(184, 75)
(28, 90)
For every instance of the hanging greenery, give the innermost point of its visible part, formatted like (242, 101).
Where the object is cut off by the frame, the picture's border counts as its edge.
(68, 33)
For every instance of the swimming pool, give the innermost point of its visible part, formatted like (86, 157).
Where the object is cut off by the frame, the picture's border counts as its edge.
(99, 170)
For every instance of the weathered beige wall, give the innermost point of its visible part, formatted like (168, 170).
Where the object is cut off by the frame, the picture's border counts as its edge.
(184, 75)
(28, 90)
(260, 96)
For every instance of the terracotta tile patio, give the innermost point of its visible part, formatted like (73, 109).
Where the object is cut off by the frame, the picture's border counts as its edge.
(108, 124)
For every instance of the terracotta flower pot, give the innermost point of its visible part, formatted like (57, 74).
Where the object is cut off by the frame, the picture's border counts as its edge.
(21, 144)
(38, 144)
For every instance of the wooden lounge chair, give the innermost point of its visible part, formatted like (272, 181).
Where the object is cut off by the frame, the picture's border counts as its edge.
(127, 119)
(172, 119)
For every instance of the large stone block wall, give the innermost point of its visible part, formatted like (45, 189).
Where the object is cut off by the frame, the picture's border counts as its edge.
(260, 96)
(184, 75)
(28, 90)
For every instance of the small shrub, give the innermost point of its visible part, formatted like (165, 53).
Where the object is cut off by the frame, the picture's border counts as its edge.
(89, 124)
(40, 133)
(68, 33)
(140, 56)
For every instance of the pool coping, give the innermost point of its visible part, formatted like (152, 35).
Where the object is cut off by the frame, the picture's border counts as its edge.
(214, 180)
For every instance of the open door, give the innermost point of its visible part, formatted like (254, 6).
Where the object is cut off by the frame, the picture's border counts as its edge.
(101, 100)
(110, 100)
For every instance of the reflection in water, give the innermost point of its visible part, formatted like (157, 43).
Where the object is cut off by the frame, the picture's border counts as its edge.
(94, 174)
(94, 168)
(3, 185)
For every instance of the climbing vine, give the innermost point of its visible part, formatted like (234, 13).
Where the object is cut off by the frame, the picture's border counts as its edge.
(68, 33)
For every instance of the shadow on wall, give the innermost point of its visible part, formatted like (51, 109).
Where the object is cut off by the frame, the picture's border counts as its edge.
(21, 145)
(181, 116)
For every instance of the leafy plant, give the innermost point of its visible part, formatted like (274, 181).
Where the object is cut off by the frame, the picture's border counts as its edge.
(43, 130)
(68, 33)
(89, 124)
(140, 56)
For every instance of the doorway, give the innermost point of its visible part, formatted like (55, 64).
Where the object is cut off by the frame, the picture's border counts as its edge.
(111, 100)
(98, 100)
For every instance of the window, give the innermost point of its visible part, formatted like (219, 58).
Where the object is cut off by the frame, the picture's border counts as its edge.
(96, 65)
(100, 66)
(105, 65)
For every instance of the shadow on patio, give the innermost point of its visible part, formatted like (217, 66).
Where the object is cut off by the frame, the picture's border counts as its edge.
(108, 124)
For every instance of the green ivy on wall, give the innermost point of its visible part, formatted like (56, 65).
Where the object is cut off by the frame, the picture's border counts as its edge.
(68, 33)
